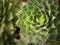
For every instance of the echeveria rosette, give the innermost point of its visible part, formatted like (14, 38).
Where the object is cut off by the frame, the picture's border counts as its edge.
(37, 19)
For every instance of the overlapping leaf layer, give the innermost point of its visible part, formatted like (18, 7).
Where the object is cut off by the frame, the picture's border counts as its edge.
(8, 18)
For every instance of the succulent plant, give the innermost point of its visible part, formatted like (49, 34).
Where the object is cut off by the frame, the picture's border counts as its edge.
(37, 20)
(8, 18)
